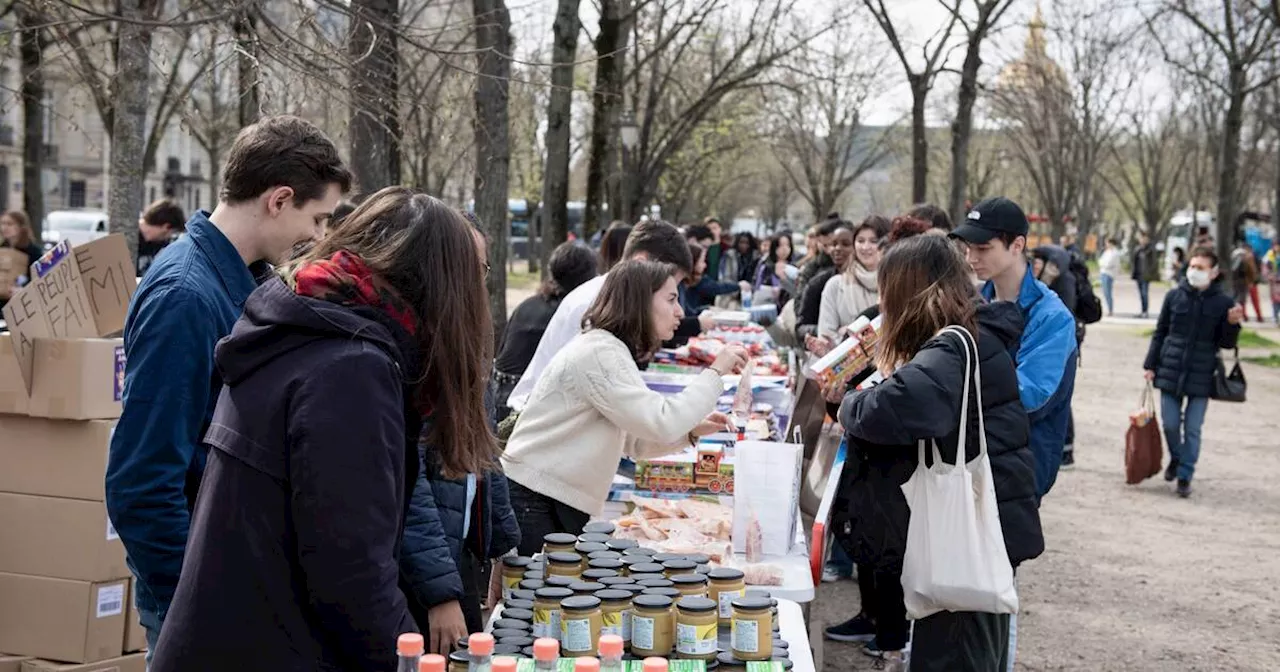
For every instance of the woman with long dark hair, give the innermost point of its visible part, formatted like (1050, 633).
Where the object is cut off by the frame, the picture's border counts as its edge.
(924, 288)
(775, 270)
(329, 375)
(571, 264)
(590, 406)
(740, 261)
(612, 243)
(16, 234)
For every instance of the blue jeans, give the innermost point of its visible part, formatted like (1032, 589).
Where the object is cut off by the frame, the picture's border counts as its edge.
(1182, 430)
(151, 625)
(1108, 284)
(1143, 294)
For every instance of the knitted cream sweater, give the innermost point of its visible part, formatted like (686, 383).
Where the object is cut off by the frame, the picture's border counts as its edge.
(588, 409)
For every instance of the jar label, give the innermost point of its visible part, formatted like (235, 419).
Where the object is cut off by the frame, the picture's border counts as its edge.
(617, 623)
(642, 633)
(509, 584)
(575, 635)
(697, 640)
(726, 602)
(546, 623)
(745, 635)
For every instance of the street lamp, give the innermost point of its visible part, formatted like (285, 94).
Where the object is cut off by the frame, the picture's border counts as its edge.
(629, 134)
(628, 131)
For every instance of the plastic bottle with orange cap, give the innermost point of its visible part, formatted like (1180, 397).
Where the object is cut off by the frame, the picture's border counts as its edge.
(432, 662)
(546, 651)
(610, 653)
(409, 648)
(480, 646)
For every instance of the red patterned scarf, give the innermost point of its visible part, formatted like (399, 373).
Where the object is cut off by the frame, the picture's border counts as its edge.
(346, 280)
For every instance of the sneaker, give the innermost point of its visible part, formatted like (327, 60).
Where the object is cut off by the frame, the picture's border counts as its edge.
(831, 574)
(857, 629)
(1184, 488)
(1068, 459)
(1171, 471)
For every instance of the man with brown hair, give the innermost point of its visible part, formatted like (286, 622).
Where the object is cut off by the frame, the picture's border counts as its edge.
(160, 224)
(281, 181)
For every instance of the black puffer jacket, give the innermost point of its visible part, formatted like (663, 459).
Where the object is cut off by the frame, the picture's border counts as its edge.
(921, 400)
(1184, 349)
(811, 303)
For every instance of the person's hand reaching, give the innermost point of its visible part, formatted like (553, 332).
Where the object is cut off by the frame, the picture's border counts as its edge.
(731, 358)
(447, 625)
(715, 422)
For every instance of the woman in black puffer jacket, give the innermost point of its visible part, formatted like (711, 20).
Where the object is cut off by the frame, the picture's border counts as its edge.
(924, 286)
(1196, 319)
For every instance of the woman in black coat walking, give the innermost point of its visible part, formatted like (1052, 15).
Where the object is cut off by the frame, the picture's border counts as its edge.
(293, 557)
(1196, 319)
(925, 287)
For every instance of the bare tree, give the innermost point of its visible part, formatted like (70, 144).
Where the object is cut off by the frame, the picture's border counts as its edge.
(1227, 46)
(213, 113)
(821, 142)
(248, 70)
(130, 84)
(375, 87)
(436, 97)
(1148, 168)
(32, 42)
(606, 104)
(555, 183)
(693, 54)
(528, 107)
(493, 152)
(987, 15)
(921, 82)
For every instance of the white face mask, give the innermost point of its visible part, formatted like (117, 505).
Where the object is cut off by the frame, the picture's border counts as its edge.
(1198, 278)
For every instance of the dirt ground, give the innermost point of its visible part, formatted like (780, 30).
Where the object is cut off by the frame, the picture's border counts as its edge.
(1134, 578)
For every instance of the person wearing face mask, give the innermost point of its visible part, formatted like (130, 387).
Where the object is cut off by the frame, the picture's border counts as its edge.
(1197, 319)
(591, 406)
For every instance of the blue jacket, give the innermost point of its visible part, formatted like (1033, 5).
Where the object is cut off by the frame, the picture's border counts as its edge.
(704, 293)
(1046, 360)
(190, 298)
(433, 539)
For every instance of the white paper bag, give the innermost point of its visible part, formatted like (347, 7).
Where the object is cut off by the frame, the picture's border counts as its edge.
(766, 485)
(955, 557)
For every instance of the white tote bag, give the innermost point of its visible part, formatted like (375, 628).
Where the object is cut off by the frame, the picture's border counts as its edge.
(955, 558)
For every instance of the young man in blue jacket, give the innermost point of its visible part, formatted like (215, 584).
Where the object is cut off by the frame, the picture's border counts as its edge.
(995, 236)
(281, 181)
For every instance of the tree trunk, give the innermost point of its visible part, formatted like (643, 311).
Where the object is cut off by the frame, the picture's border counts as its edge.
(606, 103)
(30, 47)
(375, 83)
(493, 152)
(246, 29)
(962, 127)
(919, 141)
(1229, 169)
(555, 179)
(131, 88)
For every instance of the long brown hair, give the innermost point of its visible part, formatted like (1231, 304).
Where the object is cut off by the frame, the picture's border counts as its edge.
(426, 251)
(25, 237)
(625, 305)
(924, 288)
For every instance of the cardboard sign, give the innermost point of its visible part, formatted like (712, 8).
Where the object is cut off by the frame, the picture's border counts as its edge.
(80, 292)
(77, 378)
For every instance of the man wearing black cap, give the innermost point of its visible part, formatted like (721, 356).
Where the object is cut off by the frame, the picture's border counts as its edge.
(995, 236)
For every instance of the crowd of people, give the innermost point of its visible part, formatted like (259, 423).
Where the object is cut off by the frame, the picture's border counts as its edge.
(310, 459)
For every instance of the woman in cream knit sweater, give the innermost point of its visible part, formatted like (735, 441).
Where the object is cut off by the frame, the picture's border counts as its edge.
(848, 294)
(591, 407)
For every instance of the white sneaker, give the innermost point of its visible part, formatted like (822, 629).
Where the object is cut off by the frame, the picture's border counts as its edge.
(830, 575)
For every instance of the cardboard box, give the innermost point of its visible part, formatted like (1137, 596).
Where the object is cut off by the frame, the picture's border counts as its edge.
(135, 637)
(10, 663)
(59, 538)
(13, 266)
(80, 292)
(55, 458)
(77, 379)
(13, 390)
(132, 663)
(60, 619)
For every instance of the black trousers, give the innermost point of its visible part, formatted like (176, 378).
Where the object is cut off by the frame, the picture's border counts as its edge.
(963, 641)
(540, 515)
(881, 594)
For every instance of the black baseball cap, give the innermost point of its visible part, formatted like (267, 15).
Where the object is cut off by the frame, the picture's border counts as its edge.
(991, 217)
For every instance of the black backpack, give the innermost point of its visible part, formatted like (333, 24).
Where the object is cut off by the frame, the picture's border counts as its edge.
(1088, 306)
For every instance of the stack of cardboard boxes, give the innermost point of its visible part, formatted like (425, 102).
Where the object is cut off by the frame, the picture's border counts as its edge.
(65, 591)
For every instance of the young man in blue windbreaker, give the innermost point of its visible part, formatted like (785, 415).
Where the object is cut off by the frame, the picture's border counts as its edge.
(281, 181)
(995, 234)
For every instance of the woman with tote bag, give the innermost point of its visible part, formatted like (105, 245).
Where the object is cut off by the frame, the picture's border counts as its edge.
(930, 355)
